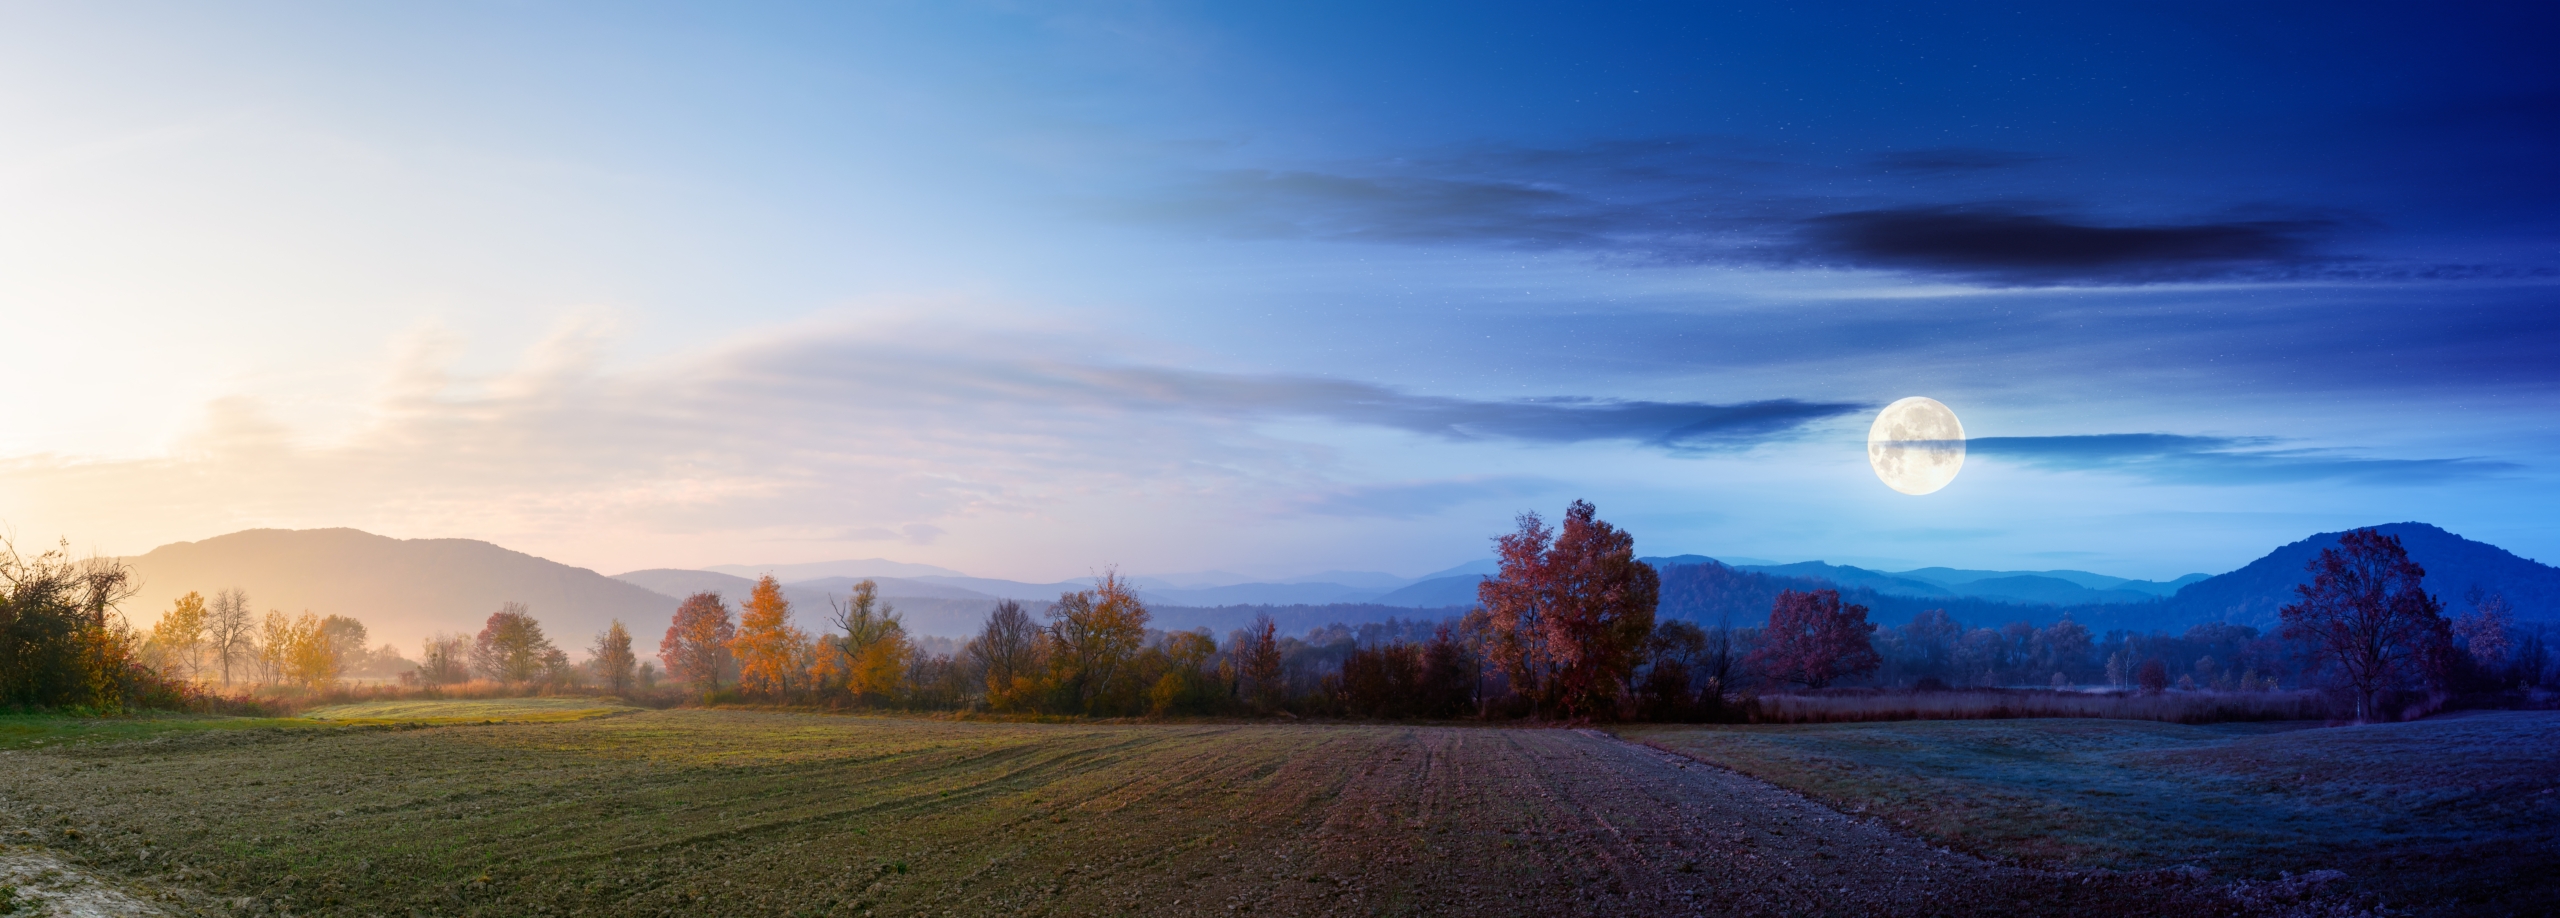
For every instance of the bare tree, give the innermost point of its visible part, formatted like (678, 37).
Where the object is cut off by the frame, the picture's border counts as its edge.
(1008, 648)
(231, 631)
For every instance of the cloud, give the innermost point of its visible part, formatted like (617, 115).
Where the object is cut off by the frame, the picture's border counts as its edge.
(1412, 499)
(1713, 201)
(2017, 247)
(2179, 459)
(829, 433)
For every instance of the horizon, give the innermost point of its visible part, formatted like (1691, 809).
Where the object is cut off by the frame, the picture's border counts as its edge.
(1187, 288)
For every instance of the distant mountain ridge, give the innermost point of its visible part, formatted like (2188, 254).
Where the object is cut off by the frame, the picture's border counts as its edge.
(402, 589)
(2253, 594)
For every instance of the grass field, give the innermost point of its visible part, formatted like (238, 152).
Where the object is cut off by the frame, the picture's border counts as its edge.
(692, 812)
(2433, 809)
(502, 710)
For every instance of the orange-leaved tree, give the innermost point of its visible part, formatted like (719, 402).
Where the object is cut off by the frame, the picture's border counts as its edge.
(872, 652)
(177, 639)
(1570, 612)
(772, 654)
(696, 648)
(1093, 635)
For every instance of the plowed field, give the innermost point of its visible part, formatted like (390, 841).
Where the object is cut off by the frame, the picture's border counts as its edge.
(738, 813)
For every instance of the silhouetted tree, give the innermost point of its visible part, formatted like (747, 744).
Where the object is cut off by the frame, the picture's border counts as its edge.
(2153, 677)
(1570, 611)
(696, 648)
(2367, 610)
(1812, 640)
(62, 642)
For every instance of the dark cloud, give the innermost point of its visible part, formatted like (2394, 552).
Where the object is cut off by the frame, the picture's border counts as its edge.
(2177, 459)
(2011, 245)
(1696, 200)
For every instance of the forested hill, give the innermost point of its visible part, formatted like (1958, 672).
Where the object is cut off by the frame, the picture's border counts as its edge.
(1708, 591)
(2252, 594)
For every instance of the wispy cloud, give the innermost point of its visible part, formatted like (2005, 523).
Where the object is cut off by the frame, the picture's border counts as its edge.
(851, 434)
(2012, 246)
(2180, 459)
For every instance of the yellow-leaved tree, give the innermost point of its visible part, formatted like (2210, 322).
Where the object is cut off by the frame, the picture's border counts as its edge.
(772, 655)
(176, 647)
(871, 655)
(1093, 637)
(311, 658)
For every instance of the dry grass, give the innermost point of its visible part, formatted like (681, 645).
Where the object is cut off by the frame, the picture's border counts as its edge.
(1863, 705)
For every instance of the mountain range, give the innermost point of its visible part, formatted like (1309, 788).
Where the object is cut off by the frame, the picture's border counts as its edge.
(407, 588)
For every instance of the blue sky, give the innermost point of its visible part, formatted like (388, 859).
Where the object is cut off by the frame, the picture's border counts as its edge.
(1029, 289)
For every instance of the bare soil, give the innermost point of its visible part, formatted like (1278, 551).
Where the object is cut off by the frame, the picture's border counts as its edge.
(742, 813)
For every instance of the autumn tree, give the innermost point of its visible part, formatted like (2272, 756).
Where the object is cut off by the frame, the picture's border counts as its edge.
(1007, 652)
(696, 648)
(1570, 611)
(1185, 685)
(613, 658)
(62, 641)
(2484, 631)
(2367, 610)
(275, 647)
(511, 647)
(231, 631)
(177, 639)
(312, 657)
(772, 653)
(1092, 635)
(1813, 639)
(870, 647)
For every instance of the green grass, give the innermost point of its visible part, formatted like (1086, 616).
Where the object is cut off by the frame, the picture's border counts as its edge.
(512, 710)
(38, 731)
(2248, 799)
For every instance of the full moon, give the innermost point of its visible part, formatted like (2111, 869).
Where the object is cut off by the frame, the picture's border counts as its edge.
(1916, 445)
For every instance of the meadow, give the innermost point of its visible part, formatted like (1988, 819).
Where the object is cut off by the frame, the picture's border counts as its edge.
(724, 812)
(2461, 810)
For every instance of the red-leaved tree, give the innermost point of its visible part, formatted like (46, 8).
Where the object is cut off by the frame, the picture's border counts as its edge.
(696, 647)
(1813, 639)
(1570, 612)
(2367, 610)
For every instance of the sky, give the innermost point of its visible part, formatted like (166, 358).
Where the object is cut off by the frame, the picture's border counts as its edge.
(1030, 290)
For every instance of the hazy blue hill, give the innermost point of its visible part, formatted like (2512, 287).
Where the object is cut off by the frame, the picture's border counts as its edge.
(678, 584)
(1438, 591)
(2252, 594)
(402, 589)
(855, 568)
(2035, 588)
(1846, 576)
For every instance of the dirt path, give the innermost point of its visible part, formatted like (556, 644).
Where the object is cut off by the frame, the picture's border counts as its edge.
(729, 813)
